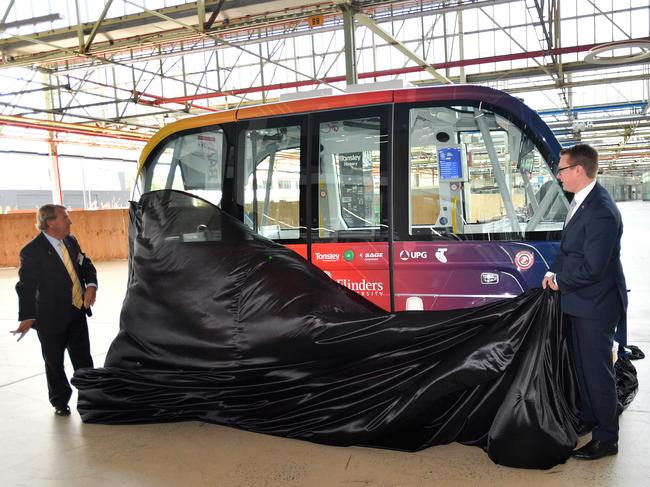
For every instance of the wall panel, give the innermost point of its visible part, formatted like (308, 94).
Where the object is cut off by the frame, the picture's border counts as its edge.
(101, 233)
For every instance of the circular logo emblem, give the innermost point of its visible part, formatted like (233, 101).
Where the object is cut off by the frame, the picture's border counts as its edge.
(524, 259)
(348, 255)
(404, 255)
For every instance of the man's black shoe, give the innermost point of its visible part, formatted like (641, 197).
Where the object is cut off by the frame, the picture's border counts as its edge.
(596, 449)
(62, 411)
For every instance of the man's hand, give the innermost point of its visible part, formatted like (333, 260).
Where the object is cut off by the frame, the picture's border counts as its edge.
(23, 328)
(548, 281)
(89, 296)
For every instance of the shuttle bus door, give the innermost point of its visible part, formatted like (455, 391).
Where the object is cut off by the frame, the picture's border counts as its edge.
(349, 212)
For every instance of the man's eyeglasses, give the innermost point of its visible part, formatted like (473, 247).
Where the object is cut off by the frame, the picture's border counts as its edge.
(560, 169)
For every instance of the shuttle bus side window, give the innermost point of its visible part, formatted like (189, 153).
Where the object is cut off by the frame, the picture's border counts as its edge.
(191, 162)
(272, 181)
(474, 172)
(166, 174)
(512, 188)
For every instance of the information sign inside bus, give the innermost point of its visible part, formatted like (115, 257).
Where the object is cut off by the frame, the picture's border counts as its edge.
(450, 163)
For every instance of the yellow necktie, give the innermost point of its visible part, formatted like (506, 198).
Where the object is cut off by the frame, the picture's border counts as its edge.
(77, 299)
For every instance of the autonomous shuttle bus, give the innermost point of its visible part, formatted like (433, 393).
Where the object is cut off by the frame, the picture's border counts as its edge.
(419, 198)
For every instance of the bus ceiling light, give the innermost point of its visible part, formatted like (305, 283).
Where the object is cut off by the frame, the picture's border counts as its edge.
(593, 56)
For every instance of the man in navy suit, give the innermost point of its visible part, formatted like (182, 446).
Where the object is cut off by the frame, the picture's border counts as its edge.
(589, 276)
(56, 289)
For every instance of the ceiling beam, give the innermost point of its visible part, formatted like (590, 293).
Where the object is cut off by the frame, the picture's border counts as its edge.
(93, 33)
(71, 128)
(31, 21)
(6, 14)
(366, 21)
(295, 14)
(213, 16)
(200, 14)
(230, 44)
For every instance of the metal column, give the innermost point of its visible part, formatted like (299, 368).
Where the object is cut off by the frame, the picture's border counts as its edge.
(350, 43)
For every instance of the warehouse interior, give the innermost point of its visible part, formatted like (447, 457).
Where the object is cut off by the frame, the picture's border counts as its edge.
(84, 84)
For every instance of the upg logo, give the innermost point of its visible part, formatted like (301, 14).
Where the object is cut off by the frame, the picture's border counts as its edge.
(412, 255)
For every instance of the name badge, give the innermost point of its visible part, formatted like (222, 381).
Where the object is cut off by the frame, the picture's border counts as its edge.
(80, 258)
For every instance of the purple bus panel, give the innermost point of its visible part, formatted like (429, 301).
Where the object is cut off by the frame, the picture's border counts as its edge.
(461, 274)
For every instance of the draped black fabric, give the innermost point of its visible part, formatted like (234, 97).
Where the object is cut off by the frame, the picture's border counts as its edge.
(224, 326)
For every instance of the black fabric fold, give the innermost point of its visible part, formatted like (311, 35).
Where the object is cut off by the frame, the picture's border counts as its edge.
(223, 326)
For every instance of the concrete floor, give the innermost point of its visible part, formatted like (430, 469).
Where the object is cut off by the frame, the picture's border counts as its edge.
(41, 449)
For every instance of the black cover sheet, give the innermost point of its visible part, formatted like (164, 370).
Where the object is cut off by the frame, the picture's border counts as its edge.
(224, 326)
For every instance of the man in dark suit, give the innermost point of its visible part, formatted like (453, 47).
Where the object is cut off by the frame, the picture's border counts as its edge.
(589, 276)
(57, 287)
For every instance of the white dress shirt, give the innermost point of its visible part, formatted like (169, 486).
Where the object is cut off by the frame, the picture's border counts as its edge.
(580, 196)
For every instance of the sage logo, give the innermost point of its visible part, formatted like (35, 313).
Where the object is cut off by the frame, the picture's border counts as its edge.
(440, 255)
(372, 256)
(348, 255)
(413, 254)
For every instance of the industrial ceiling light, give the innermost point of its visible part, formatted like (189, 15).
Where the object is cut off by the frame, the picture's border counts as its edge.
(641, 52)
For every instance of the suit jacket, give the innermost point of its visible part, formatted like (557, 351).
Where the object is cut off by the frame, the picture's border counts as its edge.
(588, 265)
(45, 288)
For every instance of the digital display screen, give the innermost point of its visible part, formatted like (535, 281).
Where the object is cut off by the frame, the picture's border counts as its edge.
(450, 163)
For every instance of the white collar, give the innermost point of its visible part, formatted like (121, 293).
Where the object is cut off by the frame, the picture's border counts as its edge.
(581, 195)
(54, 241)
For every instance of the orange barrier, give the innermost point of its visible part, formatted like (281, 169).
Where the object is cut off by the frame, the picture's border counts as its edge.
(101, 233)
